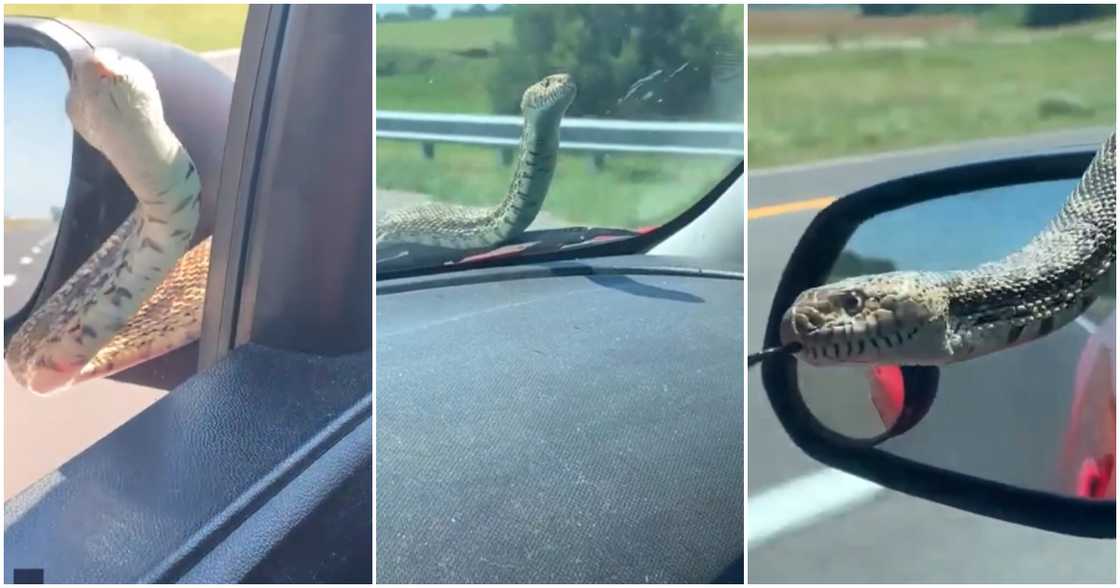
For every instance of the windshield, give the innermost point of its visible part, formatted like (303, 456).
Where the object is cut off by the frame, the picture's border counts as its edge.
(465, 174)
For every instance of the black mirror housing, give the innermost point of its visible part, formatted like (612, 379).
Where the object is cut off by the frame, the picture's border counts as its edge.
(809, 266)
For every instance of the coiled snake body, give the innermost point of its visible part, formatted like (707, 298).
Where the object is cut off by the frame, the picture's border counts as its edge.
(141, 293)
(933, 318)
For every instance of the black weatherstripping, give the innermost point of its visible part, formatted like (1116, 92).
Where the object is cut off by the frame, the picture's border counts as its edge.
(293, 244)
(561, 422)
(809, 266)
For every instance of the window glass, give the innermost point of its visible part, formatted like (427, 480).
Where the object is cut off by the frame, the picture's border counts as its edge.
(655, 123)
(43, 433)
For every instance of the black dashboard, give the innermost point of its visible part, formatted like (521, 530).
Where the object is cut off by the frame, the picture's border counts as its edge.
(576, 421)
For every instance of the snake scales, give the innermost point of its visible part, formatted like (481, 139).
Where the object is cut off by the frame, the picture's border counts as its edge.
(141, 293)
(933, 318)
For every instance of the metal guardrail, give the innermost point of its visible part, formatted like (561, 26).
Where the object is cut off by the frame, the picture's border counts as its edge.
(597, 136)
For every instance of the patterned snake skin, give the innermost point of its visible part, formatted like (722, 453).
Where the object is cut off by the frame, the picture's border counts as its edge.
(141, 293)
(463, 228)
(932, 318)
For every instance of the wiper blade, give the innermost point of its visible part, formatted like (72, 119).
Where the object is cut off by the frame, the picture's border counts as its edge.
(531, 243)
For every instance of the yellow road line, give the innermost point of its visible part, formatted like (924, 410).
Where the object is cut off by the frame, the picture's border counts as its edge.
(776, 209)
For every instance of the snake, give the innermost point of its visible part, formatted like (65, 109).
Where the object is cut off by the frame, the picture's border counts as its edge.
(465, 228)
(938, 318)
(141, 293)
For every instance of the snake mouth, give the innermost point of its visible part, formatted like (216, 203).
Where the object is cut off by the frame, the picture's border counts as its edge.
(104, 62)
(849, 325)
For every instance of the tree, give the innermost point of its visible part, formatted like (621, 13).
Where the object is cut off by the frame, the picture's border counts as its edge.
(421, 11)
(887, 9)
(475, 10)
(628, 60)
(1050, 15)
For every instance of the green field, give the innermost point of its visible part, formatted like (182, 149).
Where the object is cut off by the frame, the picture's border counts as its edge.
(840, 103)
(457, 34)
(632, 191)
(440, 65)
(444, 66)
(198, 27)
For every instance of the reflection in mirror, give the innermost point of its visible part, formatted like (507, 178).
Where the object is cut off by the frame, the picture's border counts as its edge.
(1040, 415)
(38, 142)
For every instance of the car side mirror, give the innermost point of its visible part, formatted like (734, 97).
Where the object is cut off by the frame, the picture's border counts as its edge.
(1026, 434)
(79, 198)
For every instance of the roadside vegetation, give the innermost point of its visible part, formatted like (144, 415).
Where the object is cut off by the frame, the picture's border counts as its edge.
(198, 27)
(831, 83)
(481, 64)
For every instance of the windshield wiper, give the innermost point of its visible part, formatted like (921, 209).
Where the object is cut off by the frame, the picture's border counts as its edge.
(531, 243)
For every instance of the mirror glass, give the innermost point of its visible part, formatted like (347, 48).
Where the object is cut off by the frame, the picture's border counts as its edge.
(38, 142)
(1040, 415)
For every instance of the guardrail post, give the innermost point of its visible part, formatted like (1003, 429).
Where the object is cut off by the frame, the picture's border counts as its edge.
(505, 156)
(598, 161)
(429, 150)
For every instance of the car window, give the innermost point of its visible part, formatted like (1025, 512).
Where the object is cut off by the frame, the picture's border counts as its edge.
(41, 434)
(654, 125)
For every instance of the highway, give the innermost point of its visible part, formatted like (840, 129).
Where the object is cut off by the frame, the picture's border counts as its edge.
(807, 523)
(26, 251)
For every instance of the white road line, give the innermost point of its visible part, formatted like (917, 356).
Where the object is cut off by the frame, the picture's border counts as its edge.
(1086, 324)
(803, 501)
(9, 279)
(25, 261)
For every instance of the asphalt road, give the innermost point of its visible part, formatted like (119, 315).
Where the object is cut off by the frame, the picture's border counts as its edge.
(807, 523)
(26, 251)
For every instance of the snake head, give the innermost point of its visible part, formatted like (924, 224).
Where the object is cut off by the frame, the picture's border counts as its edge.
(892, 318)
(110, 90)
(549, 97)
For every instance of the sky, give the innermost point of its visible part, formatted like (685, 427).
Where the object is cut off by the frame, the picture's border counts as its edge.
(961, 231)
(38, 139)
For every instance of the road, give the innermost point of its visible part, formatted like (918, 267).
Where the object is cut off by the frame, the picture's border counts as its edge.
(41, 434)
(26, 251)
(810, 524)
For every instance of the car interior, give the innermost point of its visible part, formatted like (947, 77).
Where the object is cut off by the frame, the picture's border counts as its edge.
(257, 466)
(571, 416)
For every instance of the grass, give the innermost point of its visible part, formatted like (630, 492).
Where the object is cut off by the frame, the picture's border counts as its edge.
(198, 27)
(806, 108)
(438, 66)
(444, 66)
(632, 191)
(411, 80)
(457, 34)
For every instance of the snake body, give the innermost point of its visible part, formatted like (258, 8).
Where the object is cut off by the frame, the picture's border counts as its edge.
(934, 318)
(141, 293)
(464, 228)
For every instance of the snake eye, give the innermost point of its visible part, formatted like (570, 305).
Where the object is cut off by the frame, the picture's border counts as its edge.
(851, 302)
